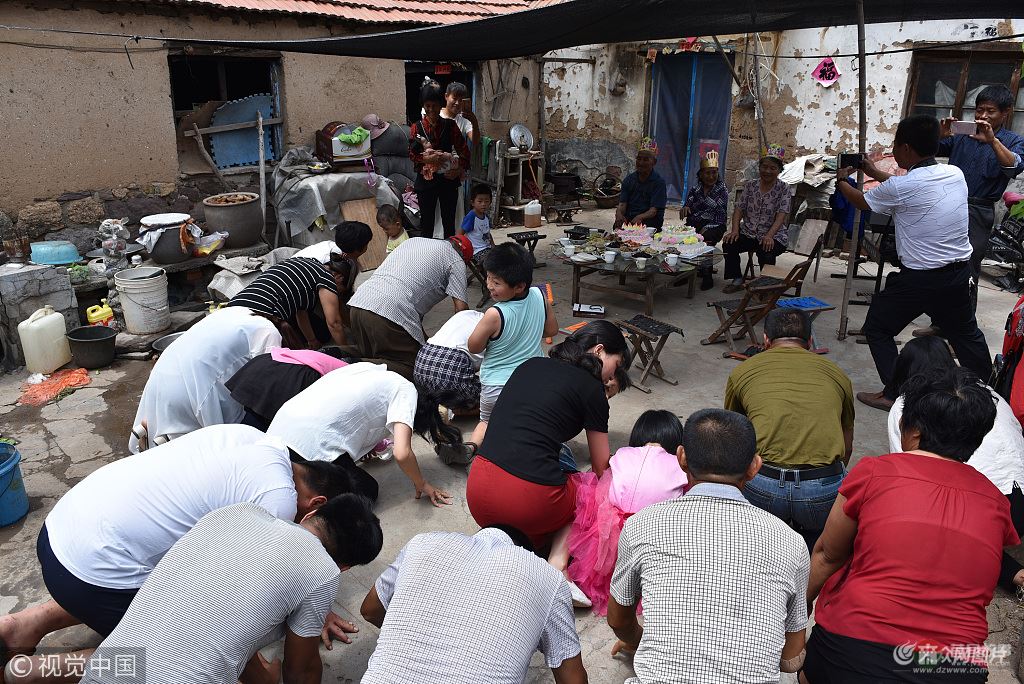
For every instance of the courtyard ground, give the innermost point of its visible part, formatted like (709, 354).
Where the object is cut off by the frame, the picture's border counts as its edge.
(63, 442)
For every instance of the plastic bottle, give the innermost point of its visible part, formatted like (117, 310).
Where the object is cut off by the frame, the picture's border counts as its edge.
(101, 314)
(44, 341)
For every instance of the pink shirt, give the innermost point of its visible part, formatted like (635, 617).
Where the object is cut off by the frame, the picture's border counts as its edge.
(318, 361)
(642, 476)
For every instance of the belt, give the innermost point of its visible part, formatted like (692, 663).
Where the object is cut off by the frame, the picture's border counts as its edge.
(981, 202)
(954, 266)
(797, 474)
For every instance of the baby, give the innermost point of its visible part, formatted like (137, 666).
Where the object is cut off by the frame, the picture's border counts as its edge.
(434, 161)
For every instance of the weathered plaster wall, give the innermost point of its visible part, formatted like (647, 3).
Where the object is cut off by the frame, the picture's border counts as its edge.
(806, 117)
(523, 106)
(83, 119)
(595, 112)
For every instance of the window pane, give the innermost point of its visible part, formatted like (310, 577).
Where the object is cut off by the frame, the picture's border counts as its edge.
(937, 112)
(1020, 98)
(983, 74)
(1017, 125)
(937, 82)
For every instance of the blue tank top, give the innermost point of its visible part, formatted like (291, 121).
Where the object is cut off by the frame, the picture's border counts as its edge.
(522, 326)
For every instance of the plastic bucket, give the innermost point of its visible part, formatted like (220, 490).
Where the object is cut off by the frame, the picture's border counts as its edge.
(92, 346)
(13, 497)
(143, 294)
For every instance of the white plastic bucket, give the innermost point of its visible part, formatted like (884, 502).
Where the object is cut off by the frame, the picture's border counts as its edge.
(143, 293)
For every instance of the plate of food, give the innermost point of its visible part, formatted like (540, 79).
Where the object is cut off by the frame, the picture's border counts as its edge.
(318, 167)
(585, 258)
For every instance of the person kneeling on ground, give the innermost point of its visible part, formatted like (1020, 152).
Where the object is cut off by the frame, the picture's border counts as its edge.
(104, 536)
(691, 559)
(470, 609)
(921, 523)
(237, 582)
(344, 414)
(445, 367)
(801, 405)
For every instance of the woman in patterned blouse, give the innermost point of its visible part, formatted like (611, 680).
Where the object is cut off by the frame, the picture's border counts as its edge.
(705, 208)
(763, 207)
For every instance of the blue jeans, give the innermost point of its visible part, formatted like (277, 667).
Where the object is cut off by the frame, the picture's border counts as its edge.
(803, 504)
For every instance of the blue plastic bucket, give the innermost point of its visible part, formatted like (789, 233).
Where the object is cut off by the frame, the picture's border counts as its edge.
(13, 497)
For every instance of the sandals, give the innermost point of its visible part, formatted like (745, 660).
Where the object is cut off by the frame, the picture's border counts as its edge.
(456, 454)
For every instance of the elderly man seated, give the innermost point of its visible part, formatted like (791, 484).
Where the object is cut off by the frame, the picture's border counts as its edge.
(801, 406)
(643, 196)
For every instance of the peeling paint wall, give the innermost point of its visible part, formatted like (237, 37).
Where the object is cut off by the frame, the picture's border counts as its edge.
(83, 119)
(596, 112)
(806, 117)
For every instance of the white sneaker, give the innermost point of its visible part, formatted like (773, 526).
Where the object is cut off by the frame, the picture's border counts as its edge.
(579, 599)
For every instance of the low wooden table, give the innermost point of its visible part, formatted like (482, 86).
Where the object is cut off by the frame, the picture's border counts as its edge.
(656, 276)
(529, 239)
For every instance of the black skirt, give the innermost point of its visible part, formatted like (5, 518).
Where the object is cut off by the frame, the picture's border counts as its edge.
(263, 385)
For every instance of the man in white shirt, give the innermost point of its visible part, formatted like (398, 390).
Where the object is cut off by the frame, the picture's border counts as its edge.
(107, 533)
(929, 207)
(455, 608)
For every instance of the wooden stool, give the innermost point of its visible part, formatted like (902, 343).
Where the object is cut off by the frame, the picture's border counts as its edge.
(564, 214)
(528, 239)
(648, 337)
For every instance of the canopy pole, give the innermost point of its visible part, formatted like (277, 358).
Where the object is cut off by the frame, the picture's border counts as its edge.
(758, 108)
(851, 268)
(540, 112)
(725, 58)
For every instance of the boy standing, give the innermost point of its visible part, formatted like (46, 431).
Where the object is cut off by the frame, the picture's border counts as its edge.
(477, 224)
(512, 329)
(389, 219)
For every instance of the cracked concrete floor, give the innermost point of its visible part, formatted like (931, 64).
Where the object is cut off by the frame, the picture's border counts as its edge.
(62, 442)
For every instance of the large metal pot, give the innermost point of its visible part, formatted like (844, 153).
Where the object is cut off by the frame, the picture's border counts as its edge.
(242, 220)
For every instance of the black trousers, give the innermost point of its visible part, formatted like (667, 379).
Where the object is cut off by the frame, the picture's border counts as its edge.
(1010, 565)
(981, 218)
(942, 293)
(745, 244)
(429, 193)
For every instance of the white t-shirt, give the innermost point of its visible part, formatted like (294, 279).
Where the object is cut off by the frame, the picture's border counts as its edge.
(113, 527)
(185, 390)
(347, 411)
(929, 207)
(478, 236)
(455, 332)
(465, 127)
(1000, 457)
(321, 251)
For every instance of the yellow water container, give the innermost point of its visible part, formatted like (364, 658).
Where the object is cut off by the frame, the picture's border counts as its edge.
(101, 314)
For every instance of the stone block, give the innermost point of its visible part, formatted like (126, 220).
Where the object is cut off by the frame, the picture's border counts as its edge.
(144, 206)
(71, 196)
(81, 236)
(162, 189)
(86, 211)
(40, 218)
(5, 224)
(119, 193)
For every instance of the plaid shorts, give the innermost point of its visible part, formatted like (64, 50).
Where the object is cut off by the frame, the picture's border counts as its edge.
(446, 372)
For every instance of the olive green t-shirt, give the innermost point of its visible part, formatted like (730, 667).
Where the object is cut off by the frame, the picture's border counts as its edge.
(799, 403)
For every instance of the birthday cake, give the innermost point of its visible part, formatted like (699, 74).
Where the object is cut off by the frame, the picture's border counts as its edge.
(678, 237)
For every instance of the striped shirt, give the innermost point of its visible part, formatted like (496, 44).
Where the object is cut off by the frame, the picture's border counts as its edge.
(287, 288)
(412, 280)
(722, 581)
(226, 589)
(471, 610)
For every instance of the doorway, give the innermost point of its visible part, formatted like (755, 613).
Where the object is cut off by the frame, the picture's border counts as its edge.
(444, 74)
(691, 101)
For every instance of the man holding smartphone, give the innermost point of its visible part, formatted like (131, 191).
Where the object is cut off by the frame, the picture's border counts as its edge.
(929, 207)
(990, 157)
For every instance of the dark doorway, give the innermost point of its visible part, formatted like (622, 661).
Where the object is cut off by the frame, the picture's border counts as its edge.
(415, 72)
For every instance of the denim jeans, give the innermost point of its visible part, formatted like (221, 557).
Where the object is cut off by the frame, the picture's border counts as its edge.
(803, 504)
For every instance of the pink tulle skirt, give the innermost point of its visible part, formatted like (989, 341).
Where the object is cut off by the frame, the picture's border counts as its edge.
(594, 539)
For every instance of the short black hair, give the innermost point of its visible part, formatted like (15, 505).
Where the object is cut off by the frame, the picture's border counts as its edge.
(431, 92)
(920, 355)
(659, 426)
(325, 479)
(622, 378)
(517, 536)
(719, 443)
(999, 95)
(456, 88)
(953, 411)
(352, 236)
(511, 262)
(787, 322)
(921, 132)
(352, 534)
(387, 213)
(479, 189)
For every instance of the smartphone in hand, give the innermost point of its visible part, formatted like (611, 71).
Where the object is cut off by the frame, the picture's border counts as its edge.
(854, 159)
(964, 127)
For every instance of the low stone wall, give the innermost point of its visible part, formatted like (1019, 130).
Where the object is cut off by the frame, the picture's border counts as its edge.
(75, 216)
